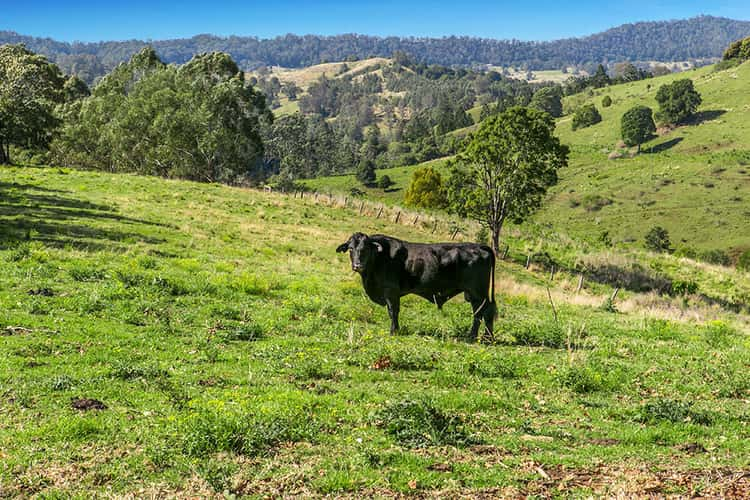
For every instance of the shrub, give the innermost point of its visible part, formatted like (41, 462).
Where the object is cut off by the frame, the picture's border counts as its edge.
(426, 189)
(585, 116)
(385, 182)
(606, 101)
(657, 240)
(418, 424)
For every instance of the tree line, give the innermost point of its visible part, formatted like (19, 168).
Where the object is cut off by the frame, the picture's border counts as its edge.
(702, 37)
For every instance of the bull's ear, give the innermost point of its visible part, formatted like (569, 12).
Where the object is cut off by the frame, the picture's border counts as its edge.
(343, 247)
(378, 246)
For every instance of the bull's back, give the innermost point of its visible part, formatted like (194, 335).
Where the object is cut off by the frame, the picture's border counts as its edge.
(447, 266)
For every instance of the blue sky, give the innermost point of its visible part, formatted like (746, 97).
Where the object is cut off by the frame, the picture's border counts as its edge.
(526, 20)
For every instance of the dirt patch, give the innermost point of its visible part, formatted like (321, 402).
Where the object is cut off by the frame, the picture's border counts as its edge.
(637, 481)
(87, 404)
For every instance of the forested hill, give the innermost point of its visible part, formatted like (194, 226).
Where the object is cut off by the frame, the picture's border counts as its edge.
(695, 38)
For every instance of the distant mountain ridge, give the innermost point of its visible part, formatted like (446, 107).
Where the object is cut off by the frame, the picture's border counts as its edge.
(702, 37)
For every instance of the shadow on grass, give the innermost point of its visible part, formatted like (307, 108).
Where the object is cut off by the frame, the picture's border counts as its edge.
(35, 213)
(704, 116)
(664, 146)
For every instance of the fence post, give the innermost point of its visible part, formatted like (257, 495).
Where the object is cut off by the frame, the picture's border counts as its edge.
(505, 252)
(528, 261)
(552, 273)
(580, 283)
(361, 207)
(398, 216)
(434, 227)
(379, 212)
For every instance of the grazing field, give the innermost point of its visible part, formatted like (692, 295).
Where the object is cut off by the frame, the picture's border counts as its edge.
(693, 180)
(171, 338)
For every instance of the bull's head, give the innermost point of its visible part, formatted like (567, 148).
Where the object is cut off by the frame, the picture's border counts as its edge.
(362, 251)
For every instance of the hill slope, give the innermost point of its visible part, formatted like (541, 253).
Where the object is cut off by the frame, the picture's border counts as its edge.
(693, 180)
(171, 338)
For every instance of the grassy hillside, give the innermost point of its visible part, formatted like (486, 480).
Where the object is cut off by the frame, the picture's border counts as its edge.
(170, 338)
(694, 180)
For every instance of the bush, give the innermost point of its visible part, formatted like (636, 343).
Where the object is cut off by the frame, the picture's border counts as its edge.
(606, 101)
(657, 240)
(426, 189)
(418, 424)
(586, 116)
(385, 182)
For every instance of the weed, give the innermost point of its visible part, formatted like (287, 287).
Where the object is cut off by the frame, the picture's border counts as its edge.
(547, 334)
(61, 383)
(129, 370)
(84, 272)
(418, 424)
(239, 431)
(672, 411)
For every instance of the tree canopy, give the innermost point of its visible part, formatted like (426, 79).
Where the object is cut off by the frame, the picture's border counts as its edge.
(548, 99)
(585, 116)
(199, 121)
(637, 125)
(30, 88)
(677, 101)
(505, 170)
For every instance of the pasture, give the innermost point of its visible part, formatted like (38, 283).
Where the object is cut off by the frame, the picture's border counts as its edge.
(171, 338)
(692, 180)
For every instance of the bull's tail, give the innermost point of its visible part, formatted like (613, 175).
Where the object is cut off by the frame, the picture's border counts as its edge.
(492, 284)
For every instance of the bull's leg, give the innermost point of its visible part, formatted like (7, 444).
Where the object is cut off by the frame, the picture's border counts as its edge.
(477, 307)
(393, 302)
(489, 320)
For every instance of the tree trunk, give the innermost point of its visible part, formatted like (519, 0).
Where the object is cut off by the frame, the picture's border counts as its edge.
(4, 156)
(496, 238)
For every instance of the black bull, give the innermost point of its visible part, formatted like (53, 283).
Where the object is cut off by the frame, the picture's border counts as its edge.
(391, 268)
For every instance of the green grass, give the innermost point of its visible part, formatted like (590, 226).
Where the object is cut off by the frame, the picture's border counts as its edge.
(235, 352)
